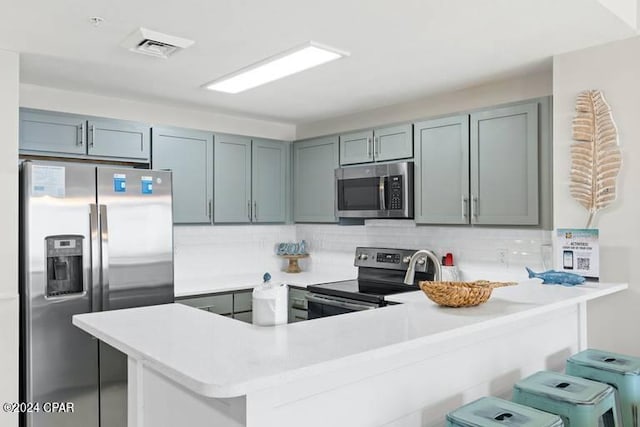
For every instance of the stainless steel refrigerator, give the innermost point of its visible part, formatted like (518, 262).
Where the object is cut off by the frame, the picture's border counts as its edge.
(91, 239)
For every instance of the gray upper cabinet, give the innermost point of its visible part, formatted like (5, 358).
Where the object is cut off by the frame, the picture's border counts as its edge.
(270, 160)
(442, 171)
(356, 147)
(250, 179)
(189, 155)
(232, 179)
(380, 144)
(392, 143)
(46, 133)
(69, 135)
(118, 139)
(504, 166)
(315, 161)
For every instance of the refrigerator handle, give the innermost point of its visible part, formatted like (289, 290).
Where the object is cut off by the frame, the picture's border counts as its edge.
(94, 289)
(104, 255)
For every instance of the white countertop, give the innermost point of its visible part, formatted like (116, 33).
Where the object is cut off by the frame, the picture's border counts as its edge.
(237, 282)
(220, 357)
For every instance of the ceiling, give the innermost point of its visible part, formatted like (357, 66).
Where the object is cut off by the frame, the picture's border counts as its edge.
(400, 50)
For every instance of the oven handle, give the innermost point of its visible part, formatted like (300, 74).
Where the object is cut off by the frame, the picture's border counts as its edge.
(341, 304)
(381, 190)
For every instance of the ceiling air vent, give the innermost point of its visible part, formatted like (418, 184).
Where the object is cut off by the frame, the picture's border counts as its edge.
(153, 43)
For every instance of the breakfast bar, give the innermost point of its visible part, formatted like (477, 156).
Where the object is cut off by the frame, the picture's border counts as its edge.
(401, 365)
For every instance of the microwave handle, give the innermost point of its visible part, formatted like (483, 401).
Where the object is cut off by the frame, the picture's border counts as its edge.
(382, 192)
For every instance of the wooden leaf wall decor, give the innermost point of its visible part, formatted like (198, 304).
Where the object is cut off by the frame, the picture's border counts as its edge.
(595, 155)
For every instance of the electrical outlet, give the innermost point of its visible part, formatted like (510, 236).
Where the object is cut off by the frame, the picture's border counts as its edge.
(502, 256)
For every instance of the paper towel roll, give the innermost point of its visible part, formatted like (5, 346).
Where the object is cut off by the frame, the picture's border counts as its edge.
(270, 305)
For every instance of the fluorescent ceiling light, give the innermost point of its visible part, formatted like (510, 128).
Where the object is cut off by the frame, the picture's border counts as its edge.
(285, 64)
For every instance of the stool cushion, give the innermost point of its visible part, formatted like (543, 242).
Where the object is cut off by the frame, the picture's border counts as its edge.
(565, 388)
(607, 361)
(494, 412)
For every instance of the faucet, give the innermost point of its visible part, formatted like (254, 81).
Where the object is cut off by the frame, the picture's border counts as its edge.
(419, 255)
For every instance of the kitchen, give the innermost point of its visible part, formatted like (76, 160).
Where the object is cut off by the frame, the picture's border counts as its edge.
(206, 256)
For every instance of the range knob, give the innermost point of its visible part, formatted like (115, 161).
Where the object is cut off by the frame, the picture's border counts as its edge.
(406, 259)
(363, 257)
(421, 261)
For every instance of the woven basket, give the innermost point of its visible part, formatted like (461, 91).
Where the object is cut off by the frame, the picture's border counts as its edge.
(460, 294)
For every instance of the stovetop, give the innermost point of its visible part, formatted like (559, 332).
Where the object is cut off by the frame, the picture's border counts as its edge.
(381, 272)
(362, 290)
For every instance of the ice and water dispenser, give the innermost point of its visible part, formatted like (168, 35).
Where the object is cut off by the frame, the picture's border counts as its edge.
(64, 265)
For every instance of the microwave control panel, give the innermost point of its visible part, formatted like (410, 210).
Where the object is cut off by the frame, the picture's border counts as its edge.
(395, 192)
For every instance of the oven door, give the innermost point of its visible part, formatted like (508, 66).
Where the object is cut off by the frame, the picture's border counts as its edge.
(325, 305)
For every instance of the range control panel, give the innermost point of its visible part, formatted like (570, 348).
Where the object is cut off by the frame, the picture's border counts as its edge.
(386, 258)
(395, 192)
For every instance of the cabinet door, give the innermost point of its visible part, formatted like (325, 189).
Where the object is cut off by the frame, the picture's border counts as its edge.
(232, 179)
(43, 132)
(189, 155)
(314, 164)
(269, 186)
(442, 171)
(356, 147)
(504, 166)
(119, 139)
(394, 142)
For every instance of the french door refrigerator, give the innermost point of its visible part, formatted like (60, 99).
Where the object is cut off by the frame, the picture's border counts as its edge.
(91, 239)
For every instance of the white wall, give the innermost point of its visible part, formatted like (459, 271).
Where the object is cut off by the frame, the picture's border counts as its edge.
(9, 64)
(613, 68)
(46, 98)
(501, 92)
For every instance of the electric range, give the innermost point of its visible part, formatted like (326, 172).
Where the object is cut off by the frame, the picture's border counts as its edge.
(381, 272)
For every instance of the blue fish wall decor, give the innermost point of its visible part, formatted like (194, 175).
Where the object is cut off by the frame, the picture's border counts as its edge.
(552, 277)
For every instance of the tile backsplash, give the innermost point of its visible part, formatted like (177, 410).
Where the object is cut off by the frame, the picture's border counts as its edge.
(203, 252)
(497, 248)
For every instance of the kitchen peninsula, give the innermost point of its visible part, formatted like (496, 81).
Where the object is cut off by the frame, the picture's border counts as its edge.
(402, 365)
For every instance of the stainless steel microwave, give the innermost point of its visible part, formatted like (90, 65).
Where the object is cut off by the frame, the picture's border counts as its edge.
(375, 191)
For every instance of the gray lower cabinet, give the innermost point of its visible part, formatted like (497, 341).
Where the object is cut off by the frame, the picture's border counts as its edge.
(54, 134)
(239, 304)
(314, 164)
(504, 166)
(189, 155)
(442, 171)
(250, 180)
(214, 303)
(380, 144)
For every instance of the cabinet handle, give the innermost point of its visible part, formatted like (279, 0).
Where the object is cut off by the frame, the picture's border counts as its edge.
(474, 206)
(81, 140)
(465, 207)
(369, 147)
(376, 146)
(92, 135)
(249, 209)
(255, 210)
(210, 208)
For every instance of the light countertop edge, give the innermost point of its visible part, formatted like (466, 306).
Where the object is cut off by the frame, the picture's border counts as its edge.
(242, 387)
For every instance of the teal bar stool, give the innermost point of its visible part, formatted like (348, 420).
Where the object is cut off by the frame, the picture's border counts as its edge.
(620, 371)
(494, 412)
(579, 402)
